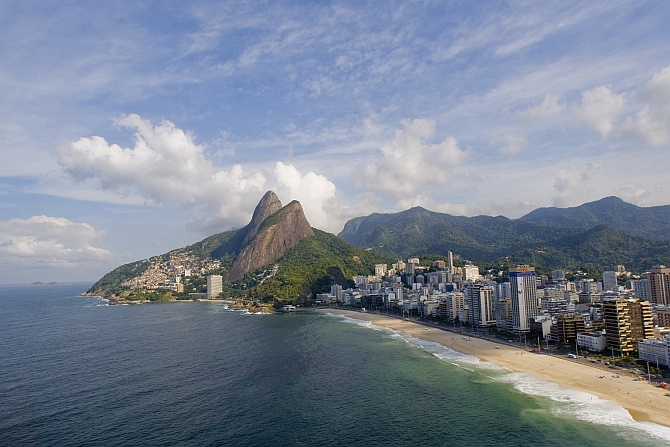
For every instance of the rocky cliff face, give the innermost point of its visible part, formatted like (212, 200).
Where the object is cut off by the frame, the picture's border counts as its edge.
(268, 205)
(267, 241)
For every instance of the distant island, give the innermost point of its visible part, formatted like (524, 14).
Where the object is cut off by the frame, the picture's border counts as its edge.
(38, 283)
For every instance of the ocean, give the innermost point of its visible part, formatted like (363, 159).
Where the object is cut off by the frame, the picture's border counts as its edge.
(75, 371)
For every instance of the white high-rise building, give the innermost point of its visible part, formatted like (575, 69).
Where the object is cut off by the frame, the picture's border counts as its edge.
(471, 272)
(481, 305)
(214, 286)
(525, 303)
(337, 292)
(609, 281)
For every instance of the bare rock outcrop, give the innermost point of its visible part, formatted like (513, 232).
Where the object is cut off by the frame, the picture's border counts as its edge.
(268, 205)
(268, 241)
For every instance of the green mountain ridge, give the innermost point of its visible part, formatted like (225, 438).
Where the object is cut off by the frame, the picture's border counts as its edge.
(567, 244)
(278, 257)
(649, 222)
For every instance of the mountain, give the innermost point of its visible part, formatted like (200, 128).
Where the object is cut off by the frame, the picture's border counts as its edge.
(600, 246)
(281, 231)
(650, 222)
(277, 256)
(565, 242)
(418, 231)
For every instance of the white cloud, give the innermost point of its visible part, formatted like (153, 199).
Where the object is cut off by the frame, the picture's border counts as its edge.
(514, 143)
(311, 190)
(550, 106)
(166, 167)
(43, 241)
(418, 200)
(632, 192)
(600, 109)
(571, 185)
(408, 161)
(652, 121)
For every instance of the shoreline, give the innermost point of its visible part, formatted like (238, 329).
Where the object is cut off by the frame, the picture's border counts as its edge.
(644, 402)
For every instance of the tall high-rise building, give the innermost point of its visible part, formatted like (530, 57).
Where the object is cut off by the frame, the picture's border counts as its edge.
(337, 292)
(609, 281)
(641, 289)
(214, 286)
(566, 328)
(481, 305)
(627, 322)
(451, 262)
(525, 303)
(409, 268)
(658, 281)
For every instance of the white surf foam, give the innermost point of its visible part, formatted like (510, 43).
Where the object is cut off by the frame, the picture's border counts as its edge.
(567, 403)
(584, 406)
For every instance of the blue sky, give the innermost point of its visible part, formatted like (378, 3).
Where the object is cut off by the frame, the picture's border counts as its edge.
(131, 128)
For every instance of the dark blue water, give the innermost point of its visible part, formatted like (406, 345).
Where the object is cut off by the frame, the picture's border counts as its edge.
(76, 372)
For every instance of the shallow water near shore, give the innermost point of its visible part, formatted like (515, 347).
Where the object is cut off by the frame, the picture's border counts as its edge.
(76, 371)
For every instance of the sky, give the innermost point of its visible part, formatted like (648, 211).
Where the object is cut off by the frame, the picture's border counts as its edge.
(130, 128)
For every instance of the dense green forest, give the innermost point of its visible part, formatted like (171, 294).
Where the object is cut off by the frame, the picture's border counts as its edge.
(484, 239)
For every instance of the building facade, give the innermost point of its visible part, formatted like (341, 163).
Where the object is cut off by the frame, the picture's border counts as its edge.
(525, 302)
(481, 305)
(655, 350)
(214, 286)
(658, 281)
(627, 322)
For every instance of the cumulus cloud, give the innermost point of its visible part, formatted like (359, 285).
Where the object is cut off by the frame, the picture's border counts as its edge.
(165, 167)
(571, 184)
(600, 109)
(168, 168)
(43, 241)
(513, 144)
(652, 121)
(632, 192)
(408, 161)
(421, 200)
(311, 190)
(550, 106)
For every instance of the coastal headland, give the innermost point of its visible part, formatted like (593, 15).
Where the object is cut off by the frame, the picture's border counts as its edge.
(644, 402)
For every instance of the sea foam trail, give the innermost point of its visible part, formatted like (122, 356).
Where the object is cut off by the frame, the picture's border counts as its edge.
(563, 402)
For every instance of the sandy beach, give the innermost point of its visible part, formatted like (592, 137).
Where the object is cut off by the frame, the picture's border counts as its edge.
(643, 401)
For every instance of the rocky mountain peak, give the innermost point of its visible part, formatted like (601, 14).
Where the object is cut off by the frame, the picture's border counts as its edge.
(269, 239)
(268, 205)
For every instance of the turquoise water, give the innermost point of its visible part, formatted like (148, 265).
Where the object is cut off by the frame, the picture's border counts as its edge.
(76, 371)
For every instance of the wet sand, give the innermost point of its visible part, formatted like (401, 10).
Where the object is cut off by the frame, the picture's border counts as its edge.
(644, 402)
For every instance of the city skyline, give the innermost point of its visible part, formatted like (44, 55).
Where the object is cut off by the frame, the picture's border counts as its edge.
(132, 129)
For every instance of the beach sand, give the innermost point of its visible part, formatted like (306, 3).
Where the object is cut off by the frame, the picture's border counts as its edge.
(644, 402)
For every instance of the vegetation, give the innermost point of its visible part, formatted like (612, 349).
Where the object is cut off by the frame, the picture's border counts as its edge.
(314, 265)
(498, 240)
(649, 222)
(112, 281)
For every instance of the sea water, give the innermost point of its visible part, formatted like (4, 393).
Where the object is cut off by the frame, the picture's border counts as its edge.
(77, 371)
